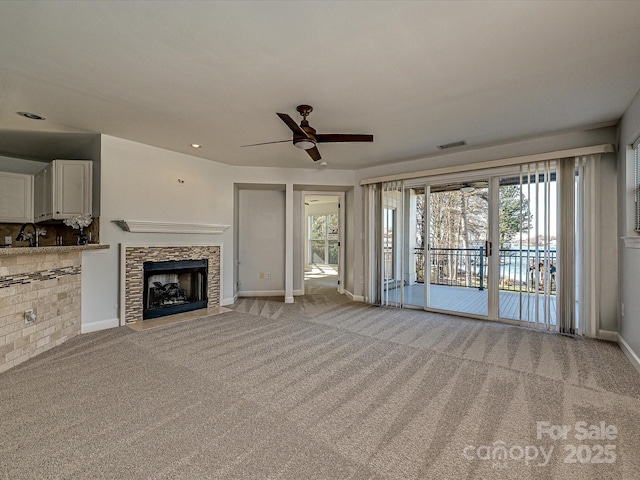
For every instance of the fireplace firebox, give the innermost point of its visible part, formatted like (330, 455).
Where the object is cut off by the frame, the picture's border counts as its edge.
(174, 287)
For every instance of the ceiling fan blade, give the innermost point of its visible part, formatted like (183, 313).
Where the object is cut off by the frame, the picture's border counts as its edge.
(295, 128)
(314, 153)
(342, 137)
(266, 143)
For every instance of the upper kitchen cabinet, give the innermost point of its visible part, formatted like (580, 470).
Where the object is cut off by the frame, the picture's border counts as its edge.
(63, 189)
(16, 198)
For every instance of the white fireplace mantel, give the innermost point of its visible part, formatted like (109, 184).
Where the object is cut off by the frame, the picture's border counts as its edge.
(137, 226)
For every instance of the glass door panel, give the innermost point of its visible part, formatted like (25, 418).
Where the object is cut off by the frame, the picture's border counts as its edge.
(457, 254)
(528, 258)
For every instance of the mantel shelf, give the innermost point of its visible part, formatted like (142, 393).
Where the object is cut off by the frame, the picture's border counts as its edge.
(136, 226)
(631, 242)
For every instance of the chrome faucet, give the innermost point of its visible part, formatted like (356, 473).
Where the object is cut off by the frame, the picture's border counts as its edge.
(33, 238)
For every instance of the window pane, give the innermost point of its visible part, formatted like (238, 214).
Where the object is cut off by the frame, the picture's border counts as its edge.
(317, 251)
(318, 227)
(333, 252)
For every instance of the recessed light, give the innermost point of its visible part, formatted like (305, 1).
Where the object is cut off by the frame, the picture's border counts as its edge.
(196, 145)
(31, 116)
(324, 164)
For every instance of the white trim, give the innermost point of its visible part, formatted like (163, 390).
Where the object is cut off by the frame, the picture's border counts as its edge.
(288, 300)
(352, 297)
(136, 226)
(298, 293)
(628, 351)
(538, 157)
(228, 301)
(341, 234)
(608, 335)
(631, 242)
(261, 293)
(99, 325)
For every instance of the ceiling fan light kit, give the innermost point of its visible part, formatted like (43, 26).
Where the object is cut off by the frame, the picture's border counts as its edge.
(304, 143)
(306, 138)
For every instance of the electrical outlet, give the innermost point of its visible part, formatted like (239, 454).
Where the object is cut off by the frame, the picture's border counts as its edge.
(361, 279)
(30, 315)
(8, 240)
(267, 275)
(261, 276)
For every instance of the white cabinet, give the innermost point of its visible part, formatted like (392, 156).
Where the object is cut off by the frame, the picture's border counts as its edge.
(63, 189)
(16, 198)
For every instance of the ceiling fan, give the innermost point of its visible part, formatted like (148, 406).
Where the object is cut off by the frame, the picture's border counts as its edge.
(305, 136)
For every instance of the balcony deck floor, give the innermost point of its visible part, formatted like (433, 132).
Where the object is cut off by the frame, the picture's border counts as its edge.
(513, 305)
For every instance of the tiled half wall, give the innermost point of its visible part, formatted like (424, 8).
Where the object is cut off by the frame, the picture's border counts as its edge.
(134, 258)
(50, 284)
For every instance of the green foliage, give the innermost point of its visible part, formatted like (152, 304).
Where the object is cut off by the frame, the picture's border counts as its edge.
(515, 215)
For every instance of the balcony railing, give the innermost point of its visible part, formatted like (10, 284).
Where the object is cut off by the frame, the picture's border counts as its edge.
(520, 270)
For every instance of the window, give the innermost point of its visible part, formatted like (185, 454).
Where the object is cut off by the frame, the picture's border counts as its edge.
(323, 239)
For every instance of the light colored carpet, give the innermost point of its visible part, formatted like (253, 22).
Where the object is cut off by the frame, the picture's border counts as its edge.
(319, 389)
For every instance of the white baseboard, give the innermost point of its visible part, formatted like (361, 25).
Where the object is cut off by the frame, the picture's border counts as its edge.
(288, 299)
(355, 298)
(608, 335)
(631, 355)
(228, 301)
(297, 293)
(99, 325)
(261, 293)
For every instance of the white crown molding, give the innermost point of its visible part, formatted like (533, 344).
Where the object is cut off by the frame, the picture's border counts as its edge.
(136, 226)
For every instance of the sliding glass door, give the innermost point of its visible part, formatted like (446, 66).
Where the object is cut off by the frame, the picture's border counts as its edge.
(478, 246)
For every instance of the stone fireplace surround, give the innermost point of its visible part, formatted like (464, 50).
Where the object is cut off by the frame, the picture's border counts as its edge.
(133, 258)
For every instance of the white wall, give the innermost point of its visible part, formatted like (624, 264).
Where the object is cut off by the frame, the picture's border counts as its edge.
(629, 265)
(261, 242)
(608, 268)
(140, 182)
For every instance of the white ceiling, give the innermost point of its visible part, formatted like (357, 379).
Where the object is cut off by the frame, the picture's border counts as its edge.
(414, 74)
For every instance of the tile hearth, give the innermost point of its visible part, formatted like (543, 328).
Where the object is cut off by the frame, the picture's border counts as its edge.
(177, 318)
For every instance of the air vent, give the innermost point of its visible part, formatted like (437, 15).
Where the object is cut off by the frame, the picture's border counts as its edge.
(451, 145)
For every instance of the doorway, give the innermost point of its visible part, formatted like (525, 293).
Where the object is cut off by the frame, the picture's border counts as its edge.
(323, 220)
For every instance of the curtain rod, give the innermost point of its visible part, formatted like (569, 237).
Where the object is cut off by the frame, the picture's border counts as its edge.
(503, 162)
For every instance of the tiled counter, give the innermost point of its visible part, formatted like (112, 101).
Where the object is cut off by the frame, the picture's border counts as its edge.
(46, 279)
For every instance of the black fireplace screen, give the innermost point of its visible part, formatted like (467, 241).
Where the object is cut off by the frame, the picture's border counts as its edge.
(174, 287)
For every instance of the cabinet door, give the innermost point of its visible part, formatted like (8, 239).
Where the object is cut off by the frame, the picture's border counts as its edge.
(42, 195)
(71, 188)
(16, 198)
